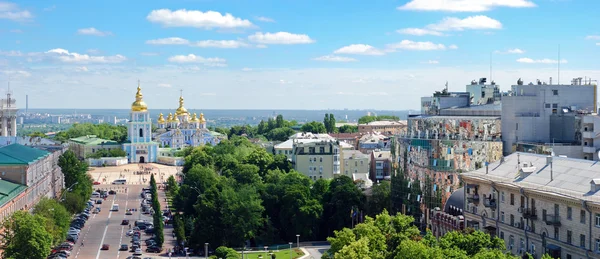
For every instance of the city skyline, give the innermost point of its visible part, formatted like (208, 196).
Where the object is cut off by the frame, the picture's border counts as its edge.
(261, 55)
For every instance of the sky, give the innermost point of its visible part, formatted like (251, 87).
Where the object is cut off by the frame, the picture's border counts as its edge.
(286, 54)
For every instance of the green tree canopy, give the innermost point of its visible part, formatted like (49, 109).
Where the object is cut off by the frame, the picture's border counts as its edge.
(105, 131)
(113, 152)
(314, 127)
(24, 236)
(367, 119)
(57, 218)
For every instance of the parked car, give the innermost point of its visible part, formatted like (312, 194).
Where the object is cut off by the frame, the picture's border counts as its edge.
(125, 222)
(124, 247)
(105, 247)
(153, 249)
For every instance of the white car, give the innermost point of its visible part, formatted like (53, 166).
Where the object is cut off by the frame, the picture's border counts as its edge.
(129, 233)
(137, 251)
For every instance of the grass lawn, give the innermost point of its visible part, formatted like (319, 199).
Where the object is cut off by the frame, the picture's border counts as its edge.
(282, 254)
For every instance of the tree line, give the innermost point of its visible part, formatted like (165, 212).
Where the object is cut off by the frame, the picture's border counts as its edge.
(32, 235)
(157, 215)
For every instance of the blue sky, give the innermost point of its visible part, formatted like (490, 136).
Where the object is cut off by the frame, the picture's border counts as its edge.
(285, 54)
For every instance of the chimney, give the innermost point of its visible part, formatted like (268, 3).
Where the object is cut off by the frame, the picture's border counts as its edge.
(549, 160)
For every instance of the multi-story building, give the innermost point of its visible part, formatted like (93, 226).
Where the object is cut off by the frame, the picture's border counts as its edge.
(287, 146)
(8, 116)
(86, 145)
(28, 174)
(317, 158)
(547, 115)
(383, 127)
(356, 164)
(451, 218)
(139, 145)
(373, 141)
(350, 138)
(538, 204)
(381, 165)
(591, 137)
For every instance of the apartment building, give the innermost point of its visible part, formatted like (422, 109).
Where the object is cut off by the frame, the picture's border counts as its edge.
(287, 146)
(547, 118)
(381, 165)
(356, 164)
(383, 127)
(538, 204)
(451, 218)
(373, 141)
(317, 158)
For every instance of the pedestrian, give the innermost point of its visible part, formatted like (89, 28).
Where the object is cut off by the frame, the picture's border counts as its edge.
(82, 244)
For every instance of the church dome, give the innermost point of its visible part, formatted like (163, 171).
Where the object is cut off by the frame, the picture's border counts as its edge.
(170, 117)
(194, 118)
(181, 110)
(202, 119)
(139, 105)
(161, 119)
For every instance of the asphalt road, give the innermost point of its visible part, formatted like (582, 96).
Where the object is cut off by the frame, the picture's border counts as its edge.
(316, 252)
(105, 227)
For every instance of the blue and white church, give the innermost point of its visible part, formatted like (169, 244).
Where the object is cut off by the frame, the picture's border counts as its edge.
(139, 145)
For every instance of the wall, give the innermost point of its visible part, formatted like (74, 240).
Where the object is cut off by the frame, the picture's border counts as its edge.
(173, 161)
(107, 161)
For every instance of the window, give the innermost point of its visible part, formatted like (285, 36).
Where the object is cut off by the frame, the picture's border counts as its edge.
(569, 213)
(512, 199)
(582, 216)
(569, 256)
(554, 92)
(321, 159)
(582, 240)
(517, 126)
(547, 106)
(512, 219)
(555, 105)
(511, 242)
(597, 249)
(355, 163)
(544, 215)
(502, 217)
(569, 237)
(141, 133)
(556, 233)
(597, 220)
(502, 197)
(502, 235)
(321, 149)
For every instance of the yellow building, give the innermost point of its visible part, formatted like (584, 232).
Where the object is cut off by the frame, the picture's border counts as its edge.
(538, 204)
(317, 158)
(356, 164)
(83, 146)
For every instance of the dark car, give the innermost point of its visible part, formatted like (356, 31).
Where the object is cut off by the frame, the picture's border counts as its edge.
(153, 249)
(98, 201)
(124, 247)
(105, 247)
(112, 192)
(125, 222)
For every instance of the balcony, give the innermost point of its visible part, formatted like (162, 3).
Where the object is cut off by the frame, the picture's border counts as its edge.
(588, 134)
(530, 213)
(552, 220)
(490, 203)
(473, 198)
(587, 149)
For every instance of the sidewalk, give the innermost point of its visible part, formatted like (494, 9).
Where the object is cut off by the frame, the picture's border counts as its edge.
(170, 241)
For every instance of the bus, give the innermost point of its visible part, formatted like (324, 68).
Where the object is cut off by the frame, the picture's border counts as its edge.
(120, 181)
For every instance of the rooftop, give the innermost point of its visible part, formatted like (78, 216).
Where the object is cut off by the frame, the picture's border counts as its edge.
(16, 154)
(386, 123)
(570, 177)
(9, 191)
(354, 154)
(382, 154)
(93, 140)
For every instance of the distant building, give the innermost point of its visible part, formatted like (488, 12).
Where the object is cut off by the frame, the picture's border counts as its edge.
(537, 204)
(356, 164)
(86, 145)
(139, 145)
(381, 165)
(28, 174)
(383, 127)
(317, 158)
(373, 141)
(287, 146)
(548, 115)
(451, 218)
(8, 116)
(350, 138)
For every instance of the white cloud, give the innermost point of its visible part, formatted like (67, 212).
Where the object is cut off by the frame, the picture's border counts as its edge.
(261, 46)
(191, 58)
(478, 22)
(419, 32)
(510, 51)
(72, 57)
(418, 45)
(359, 49)
(333, 58)
(452, 47)
(223, 44)
(82, 69)
(16, 73)
(149, 54)
(463, 5)
(93, 51)
(592, 37)
(431, 62)
(540, 61)
(197, 19)
(598, 44)
(169, 41)
(11, 53)
(11, 11)
(93, 31)
(164, 85)
(264, 19)
(280, 38)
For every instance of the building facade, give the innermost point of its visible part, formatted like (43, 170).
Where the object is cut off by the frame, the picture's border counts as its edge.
(537, 204)
(86, 145)
(383, 127)
(370, 142)
(139, 145)
(356, 164)
(381, 165)
(318, 158)
(183, 129)
(8, 116)
(450, 218)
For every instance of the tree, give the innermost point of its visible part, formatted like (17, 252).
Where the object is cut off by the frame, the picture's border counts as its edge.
(37, 134)
(380, 198)
(343, 195)
(77, 179)
(367, 119)
(105, 131)
(348, 129)
(114, 152)
(332, 128)
(260, 158)
(279, 134)
(279, 121)
(314, 127)
(326, 122)
(24, 236)
(57, 218)
(226, 253)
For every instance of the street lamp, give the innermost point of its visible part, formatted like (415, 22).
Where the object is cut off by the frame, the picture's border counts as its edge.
(298, 240)
(205, 250)
(291, 250)
(67, 190)
(266, 247)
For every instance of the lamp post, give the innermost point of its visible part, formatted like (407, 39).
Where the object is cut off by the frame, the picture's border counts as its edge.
(298, 241)
(67, 190)
(205, 250)
(291, 250)
(266, 247)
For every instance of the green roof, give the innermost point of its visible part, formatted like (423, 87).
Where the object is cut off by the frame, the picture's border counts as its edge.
(9, 191)
(16, 154)
(93, 140)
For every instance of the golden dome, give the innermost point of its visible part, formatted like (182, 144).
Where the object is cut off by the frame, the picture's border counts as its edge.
(161, 119)
(202, 119)
(170, 117)
(181, 110)
(139, 105)
(194, 118)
